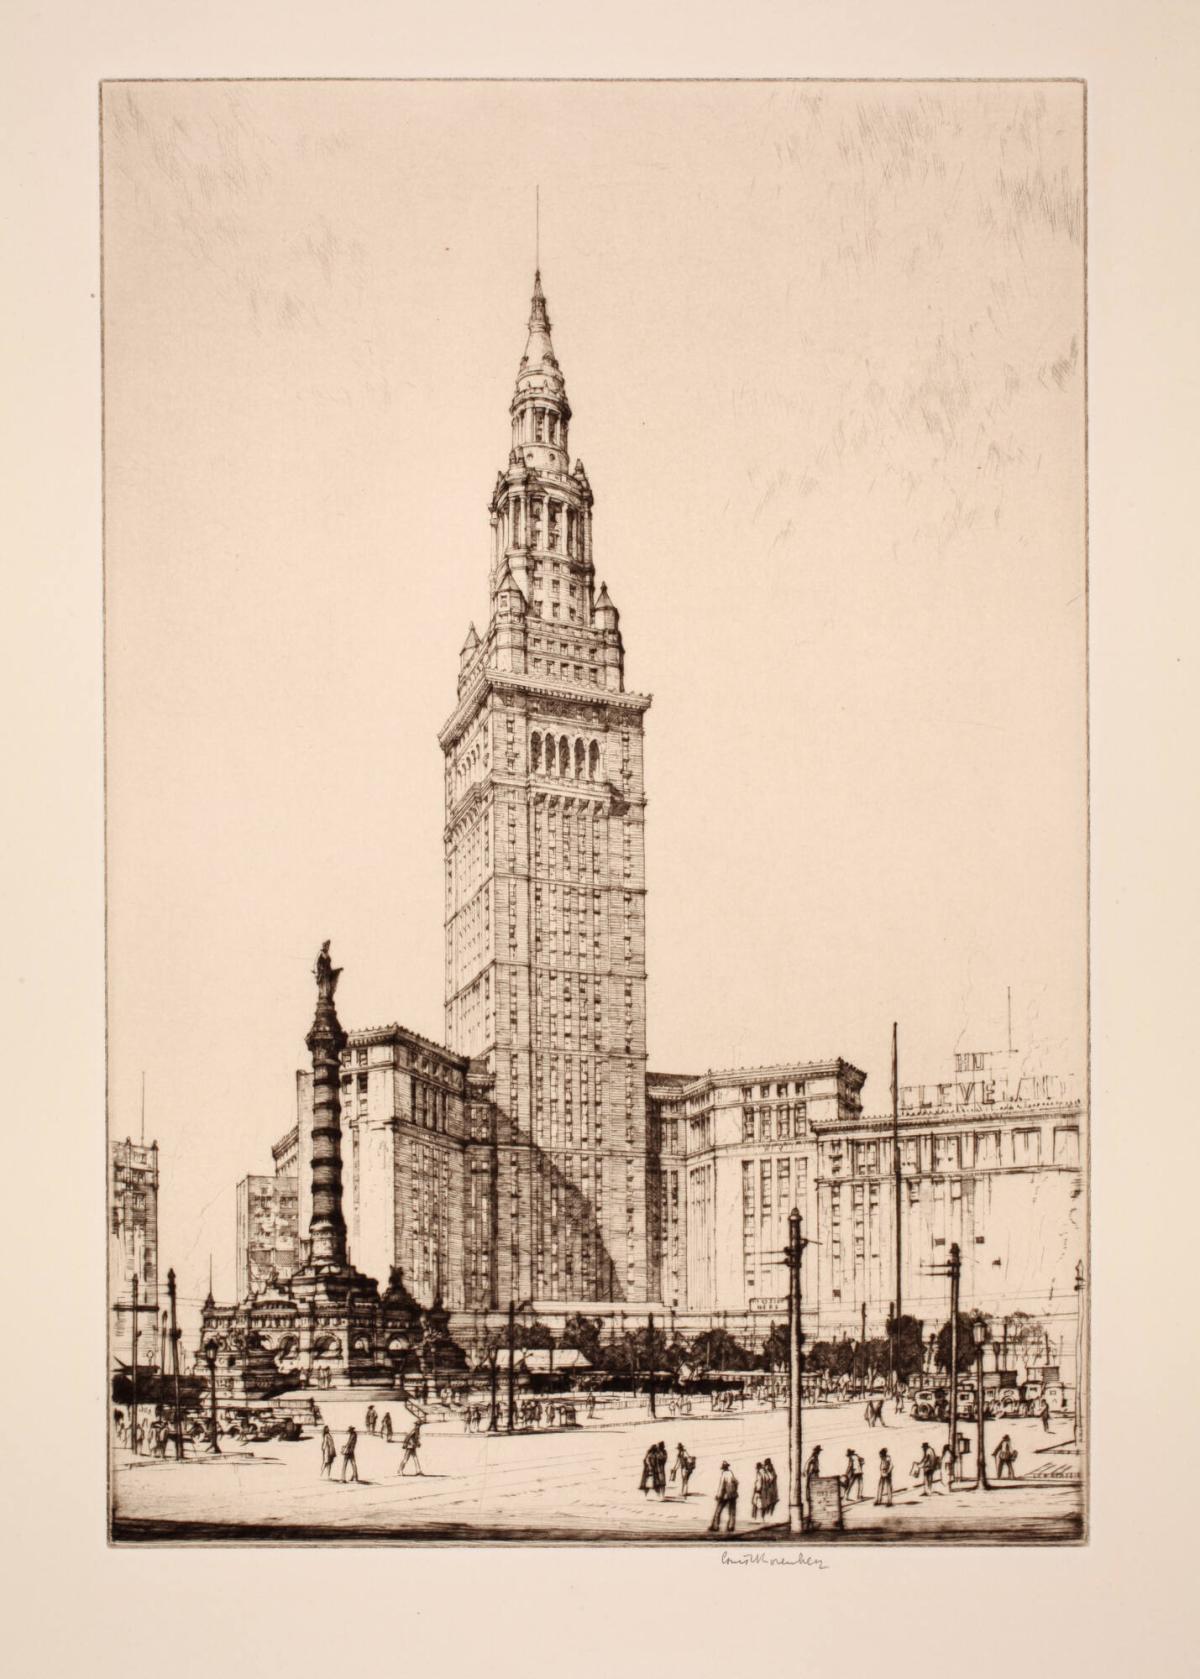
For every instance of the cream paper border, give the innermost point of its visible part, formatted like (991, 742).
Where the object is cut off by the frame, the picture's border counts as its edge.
(76, 1605)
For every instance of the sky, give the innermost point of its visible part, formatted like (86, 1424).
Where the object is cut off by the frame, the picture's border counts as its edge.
(824, 349)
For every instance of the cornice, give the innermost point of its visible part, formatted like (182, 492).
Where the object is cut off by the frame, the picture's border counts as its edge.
(880, 1125)
(490, 680)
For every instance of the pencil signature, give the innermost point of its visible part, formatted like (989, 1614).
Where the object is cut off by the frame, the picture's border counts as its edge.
(771, 1559)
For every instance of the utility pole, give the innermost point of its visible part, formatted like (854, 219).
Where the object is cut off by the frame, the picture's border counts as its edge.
(792, 1257)
(175, 1368)
(955, 1269)
(650, 1361)
(133, 1341)
(512, 1343)
(896, 1190)
(862, 1342)
(133, 1309)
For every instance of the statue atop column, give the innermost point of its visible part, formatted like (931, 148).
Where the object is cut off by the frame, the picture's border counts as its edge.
(326, 974)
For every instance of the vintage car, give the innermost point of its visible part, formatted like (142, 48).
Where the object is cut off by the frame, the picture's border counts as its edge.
(1056, 1395)
(927, 1406)
(1008, 1402)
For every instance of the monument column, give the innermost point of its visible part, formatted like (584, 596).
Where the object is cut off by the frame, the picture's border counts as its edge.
(326, 1040)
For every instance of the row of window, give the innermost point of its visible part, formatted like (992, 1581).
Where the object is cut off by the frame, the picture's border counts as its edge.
(572, 759)
(953, 1153)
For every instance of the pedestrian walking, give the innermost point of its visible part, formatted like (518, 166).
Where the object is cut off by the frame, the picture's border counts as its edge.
(883, 1492)
(949, 1466)
(660, 1469)
(854, 1474)
(1044, 1413)
(412, 1441)
(649, 1470)
(370, 1419)
(813, 1467)
(756, 1497)
(682, 1468)
(727, 1494)
(385, 1427)
(770, 1488)
(1005, 1455)
(927, 1468)
(328, 1452)
(349, 1461)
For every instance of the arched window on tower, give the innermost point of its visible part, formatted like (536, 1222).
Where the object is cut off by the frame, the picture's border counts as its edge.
(535, 524)
(552, 524)
(579, 760)
(539, 425)
(535, 753)
(564, 757)
(570, 530)
(593, 761)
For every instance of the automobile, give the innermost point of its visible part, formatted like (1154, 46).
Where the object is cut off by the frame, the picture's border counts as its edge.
(1031, 1398)
(1055, 1394)
(924, 1406)
(1008, 1402)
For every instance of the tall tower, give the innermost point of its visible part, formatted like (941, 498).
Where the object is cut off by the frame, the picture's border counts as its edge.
(545, 881)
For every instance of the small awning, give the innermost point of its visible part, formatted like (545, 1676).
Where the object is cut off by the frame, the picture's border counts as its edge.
(562, 1358)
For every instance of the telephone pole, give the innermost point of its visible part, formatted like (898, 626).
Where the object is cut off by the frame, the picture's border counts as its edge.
(792, 1257)
(512, 1342)
(175, 1368)
(650, 1362)
(134, 1308)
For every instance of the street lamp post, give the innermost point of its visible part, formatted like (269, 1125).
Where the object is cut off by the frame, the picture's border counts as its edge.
(793, 1255)
(210, 1358)
(979, 1336)
(512, 1348)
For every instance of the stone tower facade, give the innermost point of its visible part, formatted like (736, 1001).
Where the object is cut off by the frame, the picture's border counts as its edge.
(545, 886)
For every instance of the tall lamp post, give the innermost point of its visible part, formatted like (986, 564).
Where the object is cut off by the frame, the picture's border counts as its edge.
(979, 1336)
(793, 1256)
(210, 1358)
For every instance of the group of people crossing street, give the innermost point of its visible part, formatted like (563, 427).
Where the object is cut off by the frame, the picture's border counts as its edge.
(373, 1423)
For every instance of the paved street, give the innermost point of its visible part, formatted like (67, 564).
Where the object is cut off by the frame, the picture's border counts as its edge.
(580, 1483)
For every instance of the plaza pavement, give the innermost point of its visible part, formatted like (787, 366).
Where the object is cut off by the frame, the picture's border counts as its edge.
(582, 1484)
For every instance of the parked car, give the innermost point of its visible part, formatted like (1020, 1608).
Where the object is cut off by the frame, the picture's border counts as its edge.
(1008, 1402)
(1055, 1393)
(1031, 1398)
(924, 1406)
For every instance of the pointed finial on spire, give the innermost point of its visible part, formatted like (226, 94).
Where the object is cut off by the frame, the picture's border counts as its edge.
(537, 229)
(539, 318)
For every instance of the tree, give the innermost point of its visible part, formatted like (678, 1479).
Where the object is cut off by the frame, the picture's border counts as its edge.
(966, 1345)
(584, 1333)
(820, 1358)
(907, 1335)
(716, 1349)
(533, 1334)
(775, 1353)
